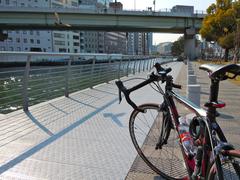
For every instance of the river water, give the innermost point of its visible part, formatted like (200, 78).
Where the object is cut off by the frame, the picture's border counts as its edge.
(48, 82)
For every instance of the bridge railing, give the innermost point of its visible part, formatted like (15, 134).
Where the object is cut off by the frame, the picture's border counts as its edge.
(102, 10)
(39, 77)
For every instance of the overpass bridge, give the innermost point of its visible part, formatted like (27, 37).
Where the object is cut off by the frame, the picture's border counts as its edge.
(187, 23)
(98, 20)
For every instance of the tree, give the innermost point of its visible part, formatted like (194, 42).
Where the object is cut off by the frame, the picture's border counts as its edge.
(219, 25)
(178, 47)
(237, 34)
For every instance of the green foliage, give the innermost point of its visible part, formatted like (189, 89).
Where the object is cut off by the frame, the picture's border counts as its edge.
(220, 22)
(227, 42)
(178, 47)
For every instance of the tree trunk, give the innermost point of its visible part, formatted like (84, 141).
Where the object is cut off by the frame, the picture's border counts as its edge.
(226, 55)
(235, 55)
(237, 44)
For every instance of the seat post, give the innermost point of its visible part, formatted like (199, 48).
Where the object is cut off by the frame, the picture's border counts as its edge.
(213, 97)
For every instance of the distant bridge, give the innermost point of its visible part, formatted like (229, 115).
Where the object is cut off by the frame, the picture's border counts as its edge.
(12, 18)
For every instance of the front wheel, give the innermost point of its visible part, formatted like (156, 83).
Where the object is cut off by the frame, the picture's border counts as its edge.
(230, 166)
(160, 150)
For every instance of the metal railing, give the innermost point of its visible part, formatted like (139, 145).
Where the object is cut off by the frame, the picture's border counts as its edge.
(159, 12)
(39, 80)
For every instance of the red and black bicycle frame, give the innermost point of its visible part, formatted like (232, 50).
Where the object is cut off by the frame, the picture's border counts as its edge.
(197, 167)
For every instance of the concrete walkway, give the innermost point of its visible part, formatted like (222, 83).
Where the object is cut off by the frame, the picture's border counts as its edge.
(82, 137)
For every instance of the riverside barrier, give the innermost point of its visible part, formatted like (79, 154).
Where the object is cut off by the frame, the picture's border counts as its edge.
(44, 76)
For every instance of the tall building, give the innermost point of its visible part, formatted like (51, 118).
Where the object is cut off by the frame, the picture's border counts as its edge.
(65, 41)
(91, 41)
(87, 2)
(150, 42)
(45, 41)
(139, 43)
(30, 40)
(130, 44)
(116, 42)
(101, 42)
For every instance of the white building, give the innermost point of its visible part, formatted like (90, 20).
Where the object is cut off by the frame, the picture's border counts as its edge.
(65, 41)
(26, 40)
(45, 41)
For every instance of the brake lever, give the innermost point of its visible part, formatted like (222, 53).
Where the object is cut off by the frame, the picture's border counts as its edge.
(121, 88)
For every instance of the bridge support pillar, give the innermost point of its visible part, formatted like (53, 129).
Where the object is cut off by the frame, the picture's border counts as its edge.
(189, 44)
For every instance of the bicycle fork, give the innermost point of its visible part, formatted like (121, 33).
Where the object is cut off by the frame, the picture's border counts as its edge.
(166, 127)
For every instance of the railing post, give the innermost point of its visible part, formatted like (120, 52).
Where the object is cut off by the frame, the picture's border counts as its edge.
(128, 66)
(66, 93)
(139, 67)
(144, 65)
(109, 69)
(25, 84)
(149, 64)
(152, 60)
(92, 70)
(134, 67)
(119, 68)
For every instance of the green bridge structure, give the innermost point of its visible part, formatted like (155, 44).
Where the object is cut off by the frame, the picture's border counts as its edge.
(187, 23)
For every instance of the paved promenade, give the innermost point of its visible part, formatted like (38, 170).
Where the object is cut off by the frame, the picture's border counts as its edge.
(82, 137)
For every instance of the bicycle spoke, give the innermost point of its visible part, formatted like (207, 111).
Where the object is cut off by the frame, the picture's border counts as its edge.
(146, 129)
(143, 132)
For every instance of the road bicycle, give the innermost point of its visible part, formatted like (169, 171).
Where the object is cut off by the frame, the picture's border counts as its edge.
(155, 130)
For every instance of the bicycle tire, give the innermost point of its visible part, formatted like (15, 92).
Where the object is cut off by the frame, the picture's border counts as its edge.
(230, 166)
(145, 129)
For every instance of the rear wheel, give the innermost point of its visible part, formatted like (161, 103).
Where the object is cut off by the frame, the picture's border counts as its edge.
(230, 166)
(151, 129)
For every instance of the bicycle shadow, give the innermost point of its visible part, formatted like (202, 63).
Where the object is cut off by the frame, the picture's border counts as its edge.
(114, 118)
(225, 116)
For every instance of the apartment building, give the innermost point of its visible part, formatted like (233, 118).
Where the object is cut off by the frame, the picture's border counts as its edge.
(26, 40)
(74, 41)
(116, 42)
(43, 41)
(139, 43)
(65, 41)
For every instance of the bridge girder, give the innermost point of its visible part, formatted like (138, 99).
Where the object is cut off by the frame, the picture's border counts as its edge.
(46, 20)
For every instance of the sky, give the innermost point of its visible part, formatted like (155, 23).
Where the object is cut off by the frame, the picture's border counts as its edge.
(201, 5)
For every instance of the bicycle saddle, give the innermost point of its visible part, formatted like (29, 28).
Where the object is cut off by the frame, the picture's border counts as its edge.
(218, 72)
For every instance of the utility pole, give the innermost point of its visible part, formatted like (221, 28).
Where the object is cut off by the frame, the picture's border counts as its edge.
(115, 6)
(154, 5)
(135, 5)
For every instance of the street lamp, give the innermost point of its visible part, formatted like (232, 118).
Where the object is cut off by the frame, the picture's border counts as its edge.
(115, 6)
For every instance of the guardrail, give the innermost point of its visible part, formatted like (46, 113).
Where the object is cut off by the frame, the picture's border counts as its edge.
(38, 81)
